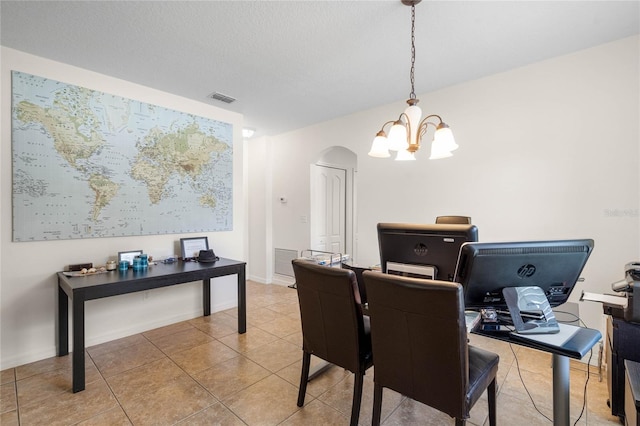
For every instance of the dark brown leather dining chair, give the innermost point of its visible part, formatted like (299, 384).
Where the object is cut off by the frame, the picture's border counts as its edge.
(333, 327)
(358, 270)
(420, 347)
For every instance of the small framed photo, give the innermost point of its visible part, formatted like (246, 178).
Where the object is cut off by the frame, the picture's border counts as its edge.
(191, 247)
(128, 255)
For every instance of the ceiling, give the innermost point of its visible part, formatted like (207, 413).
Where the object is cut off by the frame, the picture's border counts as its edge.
(291, 64)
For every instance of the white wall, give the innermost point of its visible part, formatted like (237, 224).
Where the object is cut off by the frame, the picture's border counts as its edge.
(259, 209)
(28, 284)
(547, 151)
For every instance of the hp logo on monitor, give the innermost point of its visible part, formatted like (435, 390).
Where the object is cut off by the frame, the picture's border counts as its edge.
(420, 249)
(525, 271)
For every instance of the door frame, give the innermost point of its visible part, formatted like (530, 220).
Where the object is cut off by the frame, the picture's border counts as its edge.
(318, 170)
(339, 157)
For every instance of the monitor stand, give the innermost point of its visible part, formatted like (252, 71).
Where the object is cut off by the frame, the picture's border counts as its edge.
(526, 301)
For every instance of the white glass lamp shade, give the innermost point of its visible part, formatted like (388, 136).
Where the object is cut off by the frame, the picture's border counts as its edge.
(379, 147)
(404, 155)
(398, 137)
(413, 114)
(444, 137)
(439, 149)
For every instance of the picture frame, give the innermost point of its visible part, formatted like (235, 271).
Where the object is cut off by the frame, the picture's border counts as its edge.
(191, 247)
(128, 255)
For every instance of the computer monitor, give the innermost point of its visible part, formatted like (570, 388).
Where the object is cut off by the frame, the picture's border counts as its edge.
(422, 250)
(484, 269)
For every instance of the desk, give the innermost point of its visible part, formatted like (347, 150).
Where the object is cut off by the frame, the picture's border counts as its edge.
(576, 347)
(97, 286)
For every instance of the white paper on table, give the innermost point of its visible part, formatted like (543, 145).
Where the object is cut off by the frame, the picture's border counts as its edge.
(604, 298)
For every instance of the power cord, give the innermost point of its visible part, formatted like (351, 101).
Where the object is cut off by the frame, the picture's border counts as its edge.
(571, 314)
(584, 392)
(525, 386)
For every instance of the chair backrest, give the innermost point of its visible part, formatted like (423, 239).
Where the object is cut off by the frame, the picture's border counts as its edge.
(332, 323)
(361, 288)
(419, 339)
(462, 220)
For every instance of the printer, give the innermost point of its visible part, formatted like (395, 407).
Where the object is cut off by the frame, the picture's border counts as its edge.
(630, 287)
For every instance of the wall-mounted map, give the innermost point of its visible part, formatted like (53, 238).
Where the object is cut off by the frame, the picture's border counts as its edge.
(88, 164)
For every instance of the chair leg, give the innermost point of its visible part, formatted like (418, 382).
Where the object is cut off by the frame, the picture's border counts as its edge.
(357, 397)
(460, 422)
(491, 397)
(377, 404)
(304, 377)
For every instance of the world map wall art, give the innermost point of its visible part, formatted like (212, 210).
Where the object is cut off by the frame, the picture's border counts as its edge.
(88, 164)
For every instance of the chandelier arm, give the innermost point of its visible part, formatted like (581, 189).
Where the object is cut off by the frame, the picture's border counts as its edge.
(407, 124)
(424, 124)
(423, 129)
(388, 122)
(433, 115)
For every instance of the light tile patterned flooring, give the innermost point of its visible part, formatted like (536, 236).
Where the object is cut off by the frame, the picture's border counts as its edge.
(201, 372)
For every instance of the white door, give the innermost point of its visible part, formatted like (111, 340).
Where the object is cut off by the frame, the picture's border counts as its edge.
(328, 209)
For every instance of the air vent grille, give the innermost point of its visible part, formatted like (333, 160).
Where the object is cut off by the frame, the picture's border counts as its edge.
(283, 258)
(221, 97)
(532, 250)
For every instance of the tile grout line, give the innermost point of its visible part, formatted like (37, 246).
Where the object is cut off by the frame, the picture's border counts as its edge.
(110, 390)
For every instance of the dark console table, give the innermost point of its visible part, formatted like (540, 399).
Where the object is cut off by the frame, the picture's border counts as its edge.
(96, 286)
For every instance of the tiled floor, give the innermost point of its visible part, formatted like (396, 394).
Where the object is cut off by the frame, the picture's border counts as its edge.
(202, 372)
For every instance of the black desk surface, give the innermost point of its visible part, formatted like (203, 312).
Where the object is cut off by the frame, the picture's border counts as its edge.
(577, 346)
(107, 284)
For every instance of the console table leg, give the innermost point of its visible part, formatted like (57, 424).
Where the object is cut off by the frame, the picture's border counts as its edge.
(242, 301)
(561, 390)
(78, 345)
(206, 296)
(63, 322)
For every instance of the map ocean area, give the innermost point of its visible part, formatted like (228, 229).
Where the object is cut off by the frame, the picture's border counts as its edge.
(90, 164)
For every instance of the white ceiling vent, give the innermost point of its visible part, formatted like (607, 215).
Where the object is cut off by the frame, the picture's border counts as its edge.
(223, 98)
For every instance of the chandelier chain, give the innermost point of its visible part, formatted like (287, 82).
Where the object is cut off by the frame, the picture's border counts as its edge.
(412, 95)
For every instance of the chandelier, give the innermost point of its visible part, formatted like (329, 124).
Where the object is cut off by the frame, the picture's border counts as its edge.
(407, 131)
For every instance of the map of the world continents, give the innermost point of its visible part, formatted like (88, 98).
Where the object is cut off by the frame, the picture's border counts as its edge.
(88, 164)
